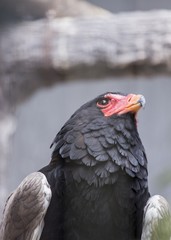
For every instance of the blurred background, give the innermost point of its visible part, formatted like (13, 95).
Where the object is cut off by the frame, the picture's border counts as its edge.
(132, 5)
(41, 116)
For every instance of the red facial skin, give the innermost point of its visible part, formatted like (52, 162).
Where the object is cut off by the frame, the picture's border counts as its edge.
(118, 104)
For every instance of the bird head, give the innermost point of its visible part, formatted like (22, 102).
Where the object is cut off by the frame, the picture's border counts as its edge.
(103, 132)
(115, 103)
(109, 106)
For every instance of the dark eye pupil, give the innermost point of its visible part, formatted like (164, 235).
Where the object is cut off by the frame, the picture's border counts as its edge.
(103, 101)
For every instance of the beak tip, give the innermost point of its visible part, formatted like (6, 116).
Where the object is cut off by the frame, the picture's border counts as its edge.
(142, 101)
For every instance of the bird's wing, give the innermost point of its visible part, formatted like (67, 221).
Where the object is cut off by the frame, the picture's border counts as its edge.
(23, 216)
(157, 219)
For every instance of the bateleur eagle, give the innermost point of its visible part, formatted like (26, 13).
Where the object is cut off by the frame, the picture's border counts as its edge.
(95, 186)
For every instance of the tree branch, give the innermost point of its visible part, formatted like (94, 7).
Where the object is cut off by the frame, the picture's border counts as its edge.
(134, 43)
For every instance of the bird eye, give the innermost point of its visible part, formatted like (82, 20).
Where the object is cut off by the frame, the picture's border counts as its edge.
(103, 101)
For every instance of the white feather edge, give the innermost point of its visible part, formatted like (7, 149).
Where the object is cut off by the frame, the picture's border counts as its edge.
(45, 189)
(156, 209)
(48, 194)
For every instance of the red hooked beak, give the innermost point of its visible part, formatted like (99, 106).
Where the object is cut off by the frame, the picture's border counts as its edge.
(132, 103)
(119, 104)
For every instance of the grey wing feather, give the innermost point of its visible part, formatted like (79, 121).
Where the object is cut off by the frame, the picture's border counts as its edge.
(157, 219)
(23, 216)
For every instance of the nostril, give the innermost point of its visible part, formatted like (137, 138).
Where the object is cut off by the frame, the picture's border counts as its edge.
(129, 99)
